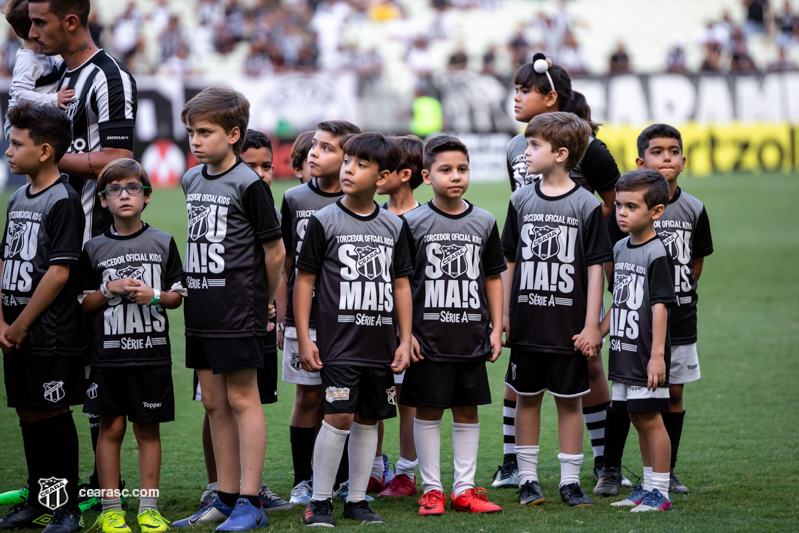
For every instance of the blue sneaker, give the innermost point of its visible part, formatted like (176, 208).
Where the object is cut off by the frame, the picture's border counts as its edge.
(245, 516)
(633, 499)
(388, 473)
(215, 512)
(343, 490)
(653, 501)
(301, 494)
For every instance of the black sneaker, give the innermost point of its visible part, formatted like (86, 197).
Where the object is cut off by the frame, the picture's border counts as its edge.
(609, 482)
(676, 486)
(507, 475)
(575, 496)
(361, 512)
(319, 513)
(24, 516)
(530, 494)
(65, 520)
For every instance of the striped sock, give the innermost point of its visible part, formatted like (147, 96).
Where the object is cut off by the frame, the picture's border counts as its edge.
(509, 429)
(594, 417)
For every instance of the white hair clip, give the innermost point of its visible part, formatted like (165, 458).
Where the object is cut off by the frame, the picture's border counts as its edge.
(542, 67)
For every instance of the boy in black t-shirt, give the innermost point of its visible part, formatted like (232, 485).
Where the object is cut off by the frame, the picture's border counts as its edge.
(356, 258)
(40, 323)
(638, 322)
(685, 231)
(131, 275)
(555, 241)
(234, 254)
(457, 296)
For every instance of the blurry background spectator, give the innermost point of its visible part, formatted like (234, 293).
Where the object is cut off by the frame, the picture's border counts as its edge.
(620, 60)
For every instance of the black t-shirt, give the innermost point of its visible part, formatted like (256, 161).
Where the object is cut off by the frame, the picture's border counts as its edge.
(44, 229)
(126, 333)
(642, 277)
(230, 216)
(356, 260)
(452, 255)
(684, 229)
(553, 241)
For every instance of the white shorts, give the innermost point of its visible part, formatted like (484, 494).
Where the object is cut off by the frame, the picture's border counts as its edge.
(292, 370)
(684, 364)
(640, 399)
(399, 377)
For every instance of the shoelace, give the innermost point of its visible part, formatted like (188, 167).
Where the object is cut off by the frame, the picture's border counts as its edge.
(652, 499)
(478, 493)
(430, 499)
(506, 470)
(150, 514)
(116, 519)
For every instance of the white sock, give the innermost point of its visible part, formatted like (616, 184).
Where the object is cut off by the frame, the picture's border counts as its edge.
(648, 478)
(660, 481)
(363, 444)
(570, 468)
(112, 504)
(326, 457)
(465, 443)
(406, 467)
(377, 468)
(527, 457)
(427, 437)
(148, 502)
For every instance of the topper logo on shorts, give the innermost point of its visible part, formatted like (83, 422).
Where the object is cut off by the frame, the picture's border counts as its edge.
(391, 395)
(148, 405)
(333, 394)
(53, 492)
(54, 391)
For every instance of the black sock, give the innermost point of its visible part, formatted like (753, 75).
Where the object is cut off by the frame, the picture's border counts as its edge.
(64, 452)
(594, 417)
(302, 442)
(36, 458)
(94, 429)
(617, 427)
(509, 458)
(673, 423)
(229, 498)
(343, 473)
(254, 500)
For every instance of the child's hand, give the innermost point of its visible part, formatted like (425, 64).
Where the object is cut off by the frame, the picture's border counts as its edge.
(280, 340)
(117, 286)
(309, 356)
(14, 335)
(590, 341)
(5, 345)
(496, 345)
(402, 358)
(416, 350)
(656, 373)
(272, 311)
(506, 327)
(65, 96)
(140, 292)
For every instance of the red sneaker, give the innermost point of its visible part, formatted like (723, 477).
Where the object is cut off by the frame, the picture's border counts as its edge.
(474, 501)
(401, 485)
(375, 485)
(432, 503)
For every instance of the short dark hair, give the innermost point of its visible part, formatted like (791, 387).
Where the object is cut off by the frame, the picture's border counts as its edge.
(652, 182)
(657, 131)
(374, 147)
(527, 77)
(121, 169)
(17, 17)
(300, 149)
(46, 124)
(222, 106)
(411, 150)
(62, 8)
(440, 144)
(562, 130)
(256, 139)
(339, 128)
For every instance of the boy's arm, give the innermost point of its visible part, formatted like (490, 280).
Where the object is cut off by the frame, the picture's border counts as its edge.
(3, 323)
(303, 298)
(281, 299)
(656, 369)
(507, 283)
(699, 262)
(404, 302)
(274, 254)
(495, 297)
(28, 69)
(50, 285)
(591, 337)
(88, 165)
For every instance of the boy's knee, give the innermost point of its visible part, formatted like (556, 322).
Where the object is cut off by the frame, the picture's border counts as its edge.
(308, 398)
(148, 432)
(342, 421)
(595, 369)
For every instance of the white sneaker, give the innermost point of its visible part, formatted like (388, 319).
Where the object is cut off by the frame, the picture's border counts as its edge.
(301, 494)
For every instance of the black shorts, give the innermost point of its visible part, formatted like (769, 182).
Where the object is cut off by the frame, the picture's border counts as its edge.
(446, 385)
(143, 394)
(43, 382)
(224, 355)
(267, 380)
(531, 373)
(366, 390)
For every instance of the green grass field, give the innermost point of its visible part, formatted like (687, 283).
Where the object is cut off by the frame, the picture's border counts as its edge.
(740, 447)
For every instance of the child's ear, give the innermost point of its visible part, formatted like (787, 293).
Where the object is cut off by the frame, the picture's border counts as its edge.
(563, 154)
(103, 201)
(405, 175)
(426, 176)
(551, 100)
(234, 135)
(45, 152)
(658, 211)
(682, 167)
(382, 177)
(639, 162)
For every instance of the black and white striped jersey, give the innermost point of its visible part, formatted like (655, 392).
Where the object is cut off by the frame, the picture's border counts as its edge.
(103, 114)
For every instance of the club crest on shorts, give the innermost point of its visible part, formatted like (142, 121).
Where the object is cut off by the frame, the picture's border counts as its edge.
(333, 394)
(370, 261)
(295, 361)
(391, 395)
(91, 392)
(545, 242)
(454, 261)
(53, 492)
(513, 371)
(621, 288)
(198, 221)
(54, 391)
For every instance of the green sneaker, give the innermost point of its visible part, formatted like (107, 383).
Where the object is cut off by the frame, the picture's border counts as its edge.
(111, 522)
(14, 497)
(151, 520)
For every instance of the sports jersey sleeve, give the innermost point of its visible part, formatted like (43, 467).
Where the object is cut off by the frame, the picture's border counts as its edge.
(27, 71)
(312, 253)
(510, 233)
(65, 226)
(596, 242)
(407, 235)
(703, 242)
(259, 208)
(90, 278)
(493, 259)
(175, 277)
(115, 97)
(403, 266)
(599, 167)
(285, 224)
(614, 231)
(513, 183)
(661, 284)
